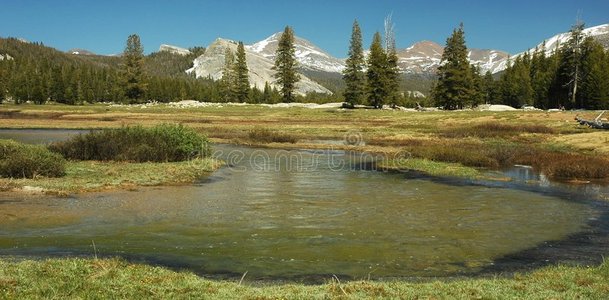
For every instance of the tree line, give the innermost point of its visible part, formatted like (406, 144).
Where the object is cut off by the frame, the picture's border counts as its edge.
(39, 74)
(573, 76)
(376, 80)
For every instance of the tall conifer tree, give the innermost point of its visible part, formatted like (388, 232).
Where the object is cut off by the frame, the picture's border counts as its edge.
(454, 87)
(285, 67)
(392, 71)
(227, 82)
(242, 82)
(133, 70)
(354, 75)
(377, 73)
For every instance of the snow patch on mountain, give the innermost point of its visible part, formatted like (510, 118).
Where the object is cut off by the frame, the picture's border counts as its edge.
(308, 55)
(426, 57)
(78, 51)
(600, 33)
(211, 64)
(174, 49)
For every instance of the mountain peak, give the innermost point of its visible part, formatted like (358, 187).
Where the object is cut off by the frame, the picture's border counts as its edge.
(309, 56)
(211, 64)
(174, 49)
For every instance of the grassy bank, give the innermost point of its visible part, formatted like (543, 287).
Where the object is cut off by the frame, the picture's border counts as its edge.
(432, 168)
(551, 142)
(88, 176)
(116, 279)
(110, 158)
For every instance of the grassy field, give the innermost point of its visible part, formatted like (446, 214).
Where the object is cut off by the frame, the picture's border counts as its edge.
(78, 278)
(552, 142)
(88, 176)
(462, 143)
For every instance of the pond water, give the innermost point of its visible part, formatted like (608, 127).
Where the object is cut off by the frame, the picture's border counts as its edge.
(306, 215)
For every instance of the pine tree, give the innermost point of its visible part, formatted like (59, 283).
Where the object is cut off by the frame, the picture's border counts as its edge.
(515, 83)
(542, 72)
(2, 92)
(568, 76)
(455, 87)
(489, 94)
(242, 83)
(133, 72)
(266, 93)
(392, 74)
(478, 95)
(3, 80)
(354, 75)
(285, 67)
(227, 82)
(392, 71)
(594, 93)
(377, 72)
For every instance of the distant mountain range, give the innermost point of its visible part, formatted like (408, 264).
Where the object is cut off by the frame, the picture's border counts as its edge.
(422, 58)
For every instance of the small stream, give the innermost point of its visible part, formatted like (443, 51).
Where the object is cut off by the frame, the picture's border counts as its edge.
(308, 215)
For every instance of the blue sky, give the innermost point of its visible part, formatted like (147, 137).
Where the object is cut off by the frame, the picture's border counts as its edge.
(103, 26)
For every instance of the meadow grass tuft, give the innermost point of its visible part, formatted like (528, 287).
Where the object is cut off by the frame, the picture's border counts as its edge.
(263, 135)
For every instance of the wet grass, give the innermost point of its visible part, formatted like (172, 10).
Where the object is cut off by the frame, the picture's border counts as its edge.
(552, 142)
(265, 136)
(78, 278)
(88, 176)
(495, 130)
(430, 167)
(498, 154)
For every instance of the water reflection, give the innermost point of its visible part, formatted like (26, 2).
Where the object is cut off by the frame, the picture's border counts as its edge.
(295, 214)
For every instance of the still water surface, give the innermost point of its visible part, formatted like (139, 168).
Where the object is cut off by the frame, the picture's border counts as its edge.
(297, 214)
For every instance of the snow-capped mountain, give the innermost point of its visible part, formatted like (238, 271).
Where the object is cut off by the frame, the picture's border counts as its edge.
(173, 49)
(599, 33)
(308, 55)
(424, 58)
(421, 58)
(211, 63)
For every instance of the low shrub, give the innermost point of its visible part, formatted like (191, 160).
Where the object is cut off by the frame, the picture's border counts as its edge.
(29, 161)
(495, 130)
(563, 165)
(161, 143)
(263, 135)
(466, 154)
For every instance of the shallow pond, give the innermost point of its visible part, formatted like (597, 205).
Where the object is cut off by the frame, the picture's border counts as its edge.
(309, 214)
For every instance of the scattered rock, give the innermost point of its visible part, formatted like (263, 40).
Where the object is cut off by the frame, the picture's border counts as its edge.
(495, 107)
(32, 189)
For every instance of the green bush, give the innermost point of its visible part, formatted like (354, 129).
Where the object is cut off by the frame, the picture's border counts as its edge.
(162, 143)
(29, 161)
